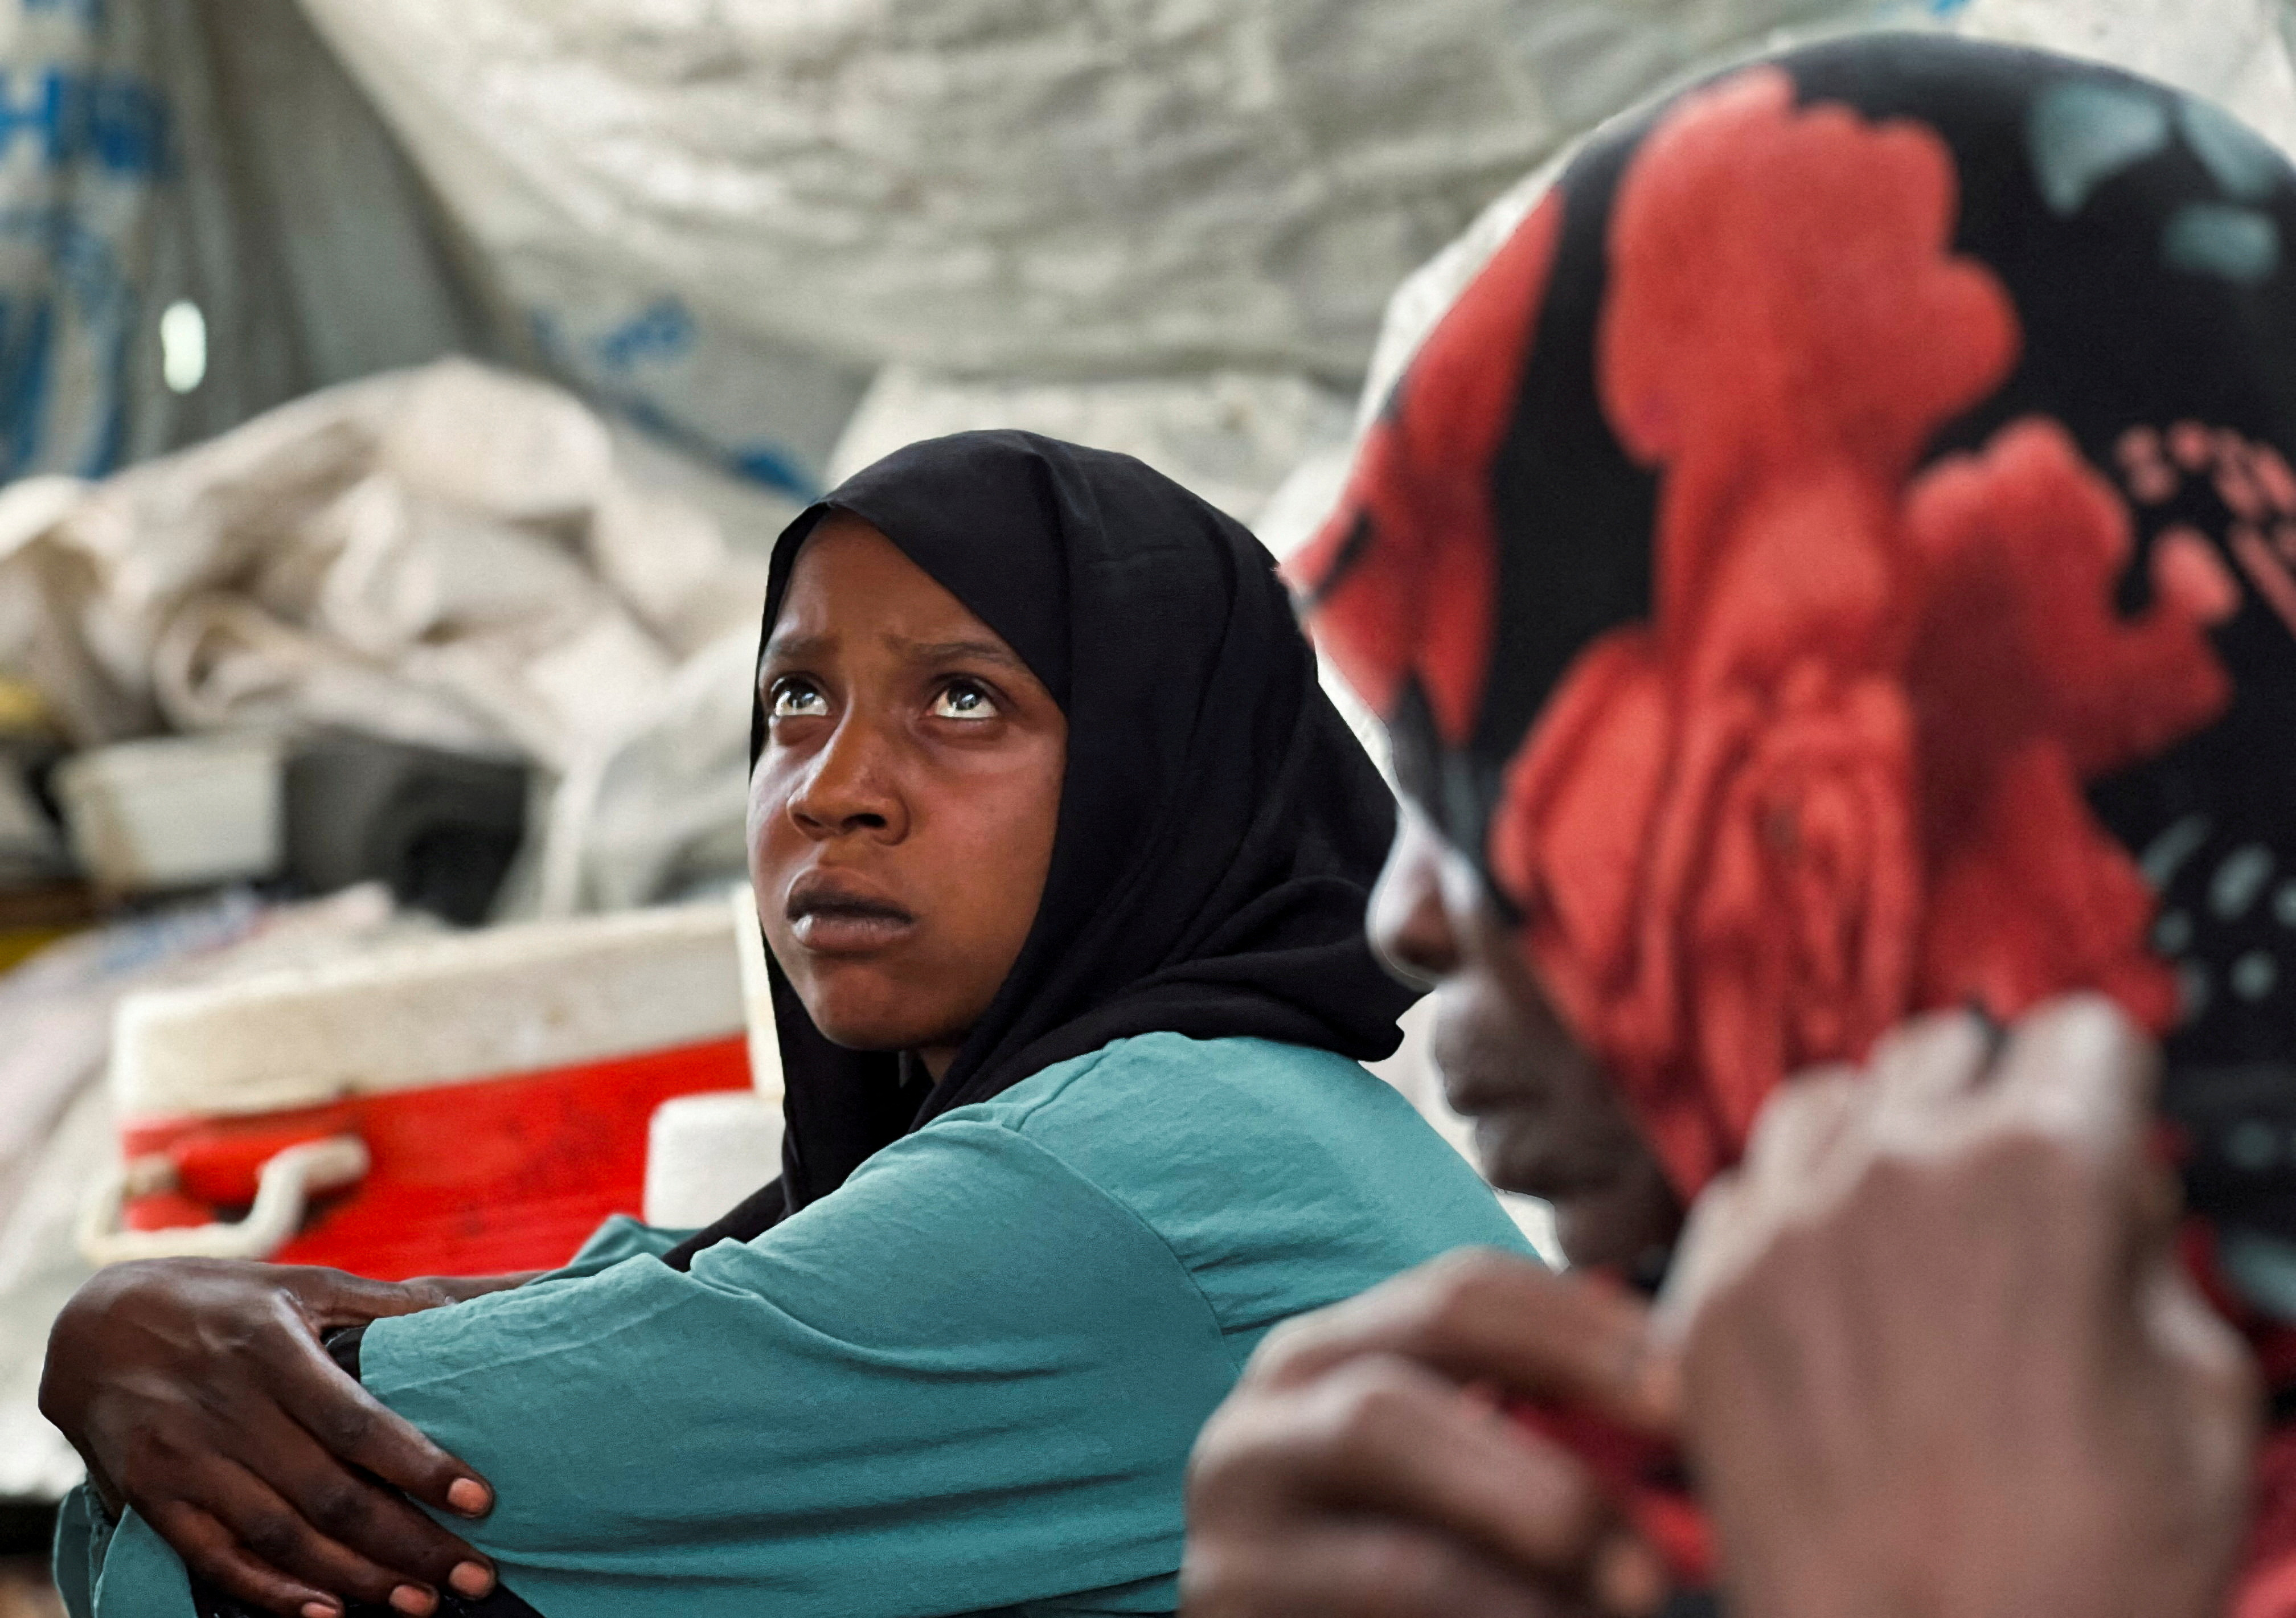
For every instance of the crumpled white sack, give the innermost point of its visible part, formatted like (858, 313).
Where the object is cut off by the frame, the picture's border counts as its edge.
(666, 805)
(452, 556)
(489, 441)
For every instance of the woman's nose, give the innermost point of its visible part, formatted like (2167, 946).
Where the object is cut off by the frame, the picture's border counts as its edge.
(1410, 929)
(849, 789)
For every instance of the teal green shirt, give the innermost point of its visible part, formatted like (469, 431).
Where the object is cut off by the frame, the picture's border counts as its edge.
(968, 1382)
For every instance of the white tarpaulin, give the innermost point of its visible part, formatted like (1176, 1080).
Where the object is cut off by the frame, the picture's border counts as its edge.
(202, 217)
(1040, 189)
(1148, 225)
(1230, 436)
(719, 218)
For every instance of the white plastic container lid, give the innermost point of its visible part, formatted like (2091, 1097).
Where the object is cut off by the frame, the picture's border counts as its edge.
(509, 1000)
(175, 812)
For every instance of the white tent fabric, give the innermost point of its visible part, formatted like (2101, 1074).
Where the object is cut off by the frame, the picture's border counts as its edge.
(1011, 188)
(1231, 436)
(215, 156)
(1162, 225)
(719, 218)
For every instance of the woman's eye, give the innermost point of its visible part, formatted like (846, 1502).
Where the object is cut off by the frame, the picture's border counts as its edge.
(964, 700)
(796, 700)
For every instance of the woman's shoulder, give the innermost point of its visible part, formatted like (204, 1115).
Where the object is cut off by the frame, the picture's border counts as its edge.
(1234, 1097)
(1288, 1171)
(1240, 1067)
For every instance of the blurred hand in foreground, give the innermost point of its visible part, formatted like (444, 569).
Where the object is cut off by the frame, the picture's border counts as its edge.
(1361, 1465)
(1930, 1349)
(1938, 1356)
(198, 1392)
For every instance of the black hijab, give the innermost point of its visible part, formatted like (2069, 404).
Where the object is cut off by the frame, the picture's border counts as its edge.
(1219, 827)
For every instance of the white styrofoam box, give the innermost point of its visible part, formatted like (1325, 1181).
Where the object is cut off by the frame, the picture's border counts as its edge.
(513, 999)
(175, 812)
(706, 1153)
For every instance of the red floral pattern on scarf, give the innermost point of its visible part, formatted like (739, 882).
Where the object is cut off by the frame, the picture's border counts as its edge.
(1422, 481)
(1837, 778)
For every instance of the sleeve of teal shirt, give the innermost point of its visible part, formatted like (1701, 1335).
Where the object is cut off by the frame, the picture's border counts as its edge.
(123, 1572)
(966, 1382)
(82, 1536)
(620, 1237)
(145, 1576)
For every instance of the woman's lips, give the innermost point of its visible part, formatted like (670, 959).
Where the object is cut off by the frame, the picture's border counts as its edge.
(828, 917)
(849, 932)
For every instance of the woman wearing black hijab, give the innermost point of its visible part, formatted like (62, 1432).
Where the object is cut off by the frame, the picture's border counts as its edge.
(1063, 858)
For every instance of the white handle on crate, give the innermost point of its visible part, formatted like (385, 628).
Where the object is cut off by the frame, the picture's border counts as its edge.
(282, 1192)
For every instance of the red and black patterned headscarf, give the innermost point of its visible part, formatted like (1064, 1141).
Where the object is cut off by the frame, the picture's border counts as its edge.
(1839, 559)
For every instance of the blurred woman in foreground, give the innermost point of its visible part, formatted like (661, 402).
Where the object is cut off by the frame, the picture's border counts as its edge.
(1836, 562)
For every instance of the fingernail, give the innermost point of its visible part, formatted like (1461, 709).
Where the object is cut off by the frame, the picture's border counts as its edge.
(471, 1578)
(321, 1609)
(413, 1600)
(1628, 1578)
(468, 1495)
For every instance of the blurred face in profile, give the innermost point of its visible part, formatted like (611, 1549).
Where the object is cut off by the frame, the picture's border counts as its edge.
(902, 810)
(1547, 1121)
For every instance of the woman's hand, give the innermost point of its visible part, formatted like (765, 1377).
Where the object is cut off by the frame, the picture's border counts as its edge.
(1361, 1466)
(198, 1392)
(1938, 1355)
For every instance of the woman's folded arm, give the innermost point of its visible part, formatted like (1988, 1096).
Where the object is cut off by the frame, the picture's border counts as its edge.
(956, 1385)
